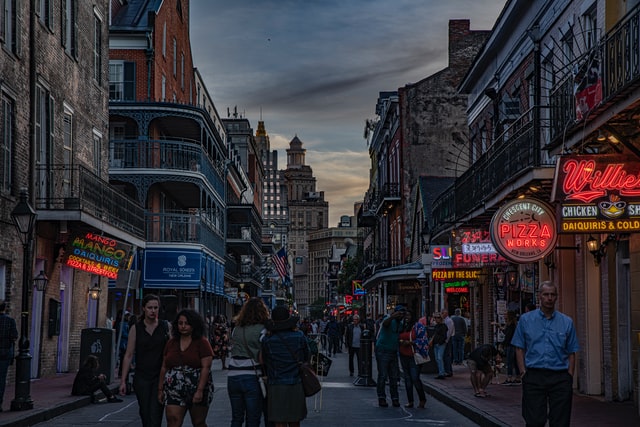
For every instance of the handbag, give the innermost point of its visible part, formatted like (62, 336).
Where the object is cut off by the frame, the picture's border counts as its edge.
(259, 375)
(310, 382)
(417, 356)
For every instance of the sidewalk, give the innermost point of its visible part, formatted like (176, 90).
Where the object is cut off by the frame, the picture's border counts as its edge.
(503, 407)
(51, 397)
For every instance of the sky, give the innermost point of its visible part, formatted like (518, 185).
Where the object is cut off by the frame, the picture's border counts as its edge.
(314, 68)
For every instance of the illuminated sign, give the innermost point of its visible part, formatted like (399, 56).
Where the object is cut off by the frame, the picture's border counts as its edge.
(597, 193)
(441, 257)
(98, 254)
(356, 288)
(524, 230)
(452, 275)
(473, 248)
(460, 290)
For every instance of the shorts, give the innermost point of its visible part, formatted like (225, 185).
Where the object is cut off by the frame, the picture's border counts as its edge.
(473, 366)
(180, 384)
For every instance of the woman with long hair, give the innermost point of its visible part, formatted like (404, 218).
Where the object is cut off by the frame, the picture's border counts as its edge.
(186, 371)
(410, 370)
(243, 384)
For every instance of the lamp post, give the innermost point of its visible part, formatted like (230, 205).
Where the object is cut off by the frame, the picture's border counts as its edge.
(24, 218)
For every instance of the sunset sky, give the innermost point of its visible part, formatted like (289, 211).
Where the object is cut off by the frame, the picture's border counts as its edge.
(314, 68)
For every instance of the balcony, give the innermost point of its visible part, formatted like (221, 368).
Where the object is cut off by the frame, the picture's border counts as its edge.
(174, 156)
(181, 227)
(75, 193)
(620, 73)
(388, 197)
(511, 155)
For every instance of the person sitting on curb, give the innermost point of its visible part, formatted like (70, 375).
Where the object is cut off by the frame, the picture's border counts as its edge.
(86, 382)
(479, 363)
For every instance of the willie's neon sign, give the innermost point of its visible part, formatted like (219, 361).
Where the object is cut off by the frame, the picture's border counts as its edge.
(587, 179)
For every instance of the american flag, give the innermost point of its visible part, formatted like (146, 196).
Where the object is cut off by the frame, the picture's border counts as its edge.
(282, 265)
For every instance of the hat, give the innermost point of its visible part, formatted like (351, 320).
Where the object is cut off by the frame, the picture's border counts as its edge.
(400, 307)
(281, 319)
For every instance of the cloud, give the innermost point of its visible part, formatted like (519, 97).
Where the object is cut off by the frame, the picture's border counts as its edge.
(315, 68)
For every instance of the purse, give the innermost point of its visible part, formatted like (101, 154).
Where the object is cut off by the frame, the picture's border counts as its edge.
(417, 356)
(310, 382)
(259, 375)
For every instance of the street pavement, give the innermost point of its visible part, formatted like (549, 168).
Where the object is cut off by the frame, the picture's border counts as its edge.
(341, 403)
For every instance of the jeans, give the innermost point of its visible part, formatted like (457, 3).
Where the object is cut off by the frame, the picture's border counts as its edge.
(334, 344)
(354, 351)
(412, 378)
(439, 353)
(448, 356)
(457, 341)
(246, 400)
(387, 362)
(512, 366)
(4, 367)
(149, 408)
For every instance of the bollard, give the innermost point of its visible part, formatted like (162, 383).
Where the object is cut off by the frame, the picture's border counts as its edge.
(364, 359)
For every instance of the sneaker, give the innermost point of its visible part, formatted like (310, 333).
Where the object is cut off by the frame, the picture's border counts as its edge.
(507, 382)
(422, 403)
(114, 399)
(396, 403)
(441, 377)
(449, 374)
(382, 403)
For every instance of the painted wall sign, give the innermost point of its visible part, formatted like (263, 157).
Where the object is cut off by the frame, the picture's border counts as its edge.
(98, 254)
(524, 230)
(597, 193)
(473, 248)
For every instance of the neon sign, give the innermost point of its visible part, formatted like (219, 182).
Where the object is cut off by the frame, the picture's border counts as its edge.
(98, 254)
(524, 230)
(597, 194)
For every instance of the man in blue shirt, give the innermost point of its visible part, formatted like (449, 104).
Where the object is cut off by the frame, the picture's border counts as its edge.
(546, 346)
(387, 356)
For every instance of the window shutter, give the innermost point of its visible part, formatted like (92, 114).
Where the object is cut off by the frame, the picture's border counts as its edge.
(63, 23)
(129, 81)
(17, 30)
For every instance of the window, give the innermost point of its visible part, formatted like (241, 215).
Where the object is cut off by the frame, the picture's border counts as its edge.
(67, 148)
(164, 40)
(10, 22)
(97, 152)
(44, 133)
(69, 31)
(3, 279)
(182, 71)
(97, 48)
(7, 136)
(175, 57)
(121, 81)
(590, 29)
(45, 12)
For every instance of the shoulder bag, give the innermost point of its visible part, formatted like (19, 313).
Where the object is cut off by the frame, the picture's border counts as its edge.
(310, 382)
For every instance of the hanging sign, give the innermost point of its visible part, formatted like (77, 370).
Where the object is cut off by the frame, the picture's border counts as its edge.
(597, 194)
(472, 248)
(524, 230)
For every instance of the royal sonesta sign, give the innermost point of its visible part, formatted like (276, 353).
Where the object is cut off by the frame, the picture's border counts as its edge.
(524, 230)
(97, 254)
(597, 193)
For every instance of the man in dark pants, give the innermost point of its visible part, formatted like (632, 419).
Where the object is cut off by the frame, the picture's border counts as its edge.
(546, 346)
(352, 338)
(8, 336)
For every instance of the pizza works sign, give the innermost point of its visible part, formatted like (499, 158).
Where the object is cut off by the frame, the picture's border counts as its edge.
(524, 230)
(597, 193)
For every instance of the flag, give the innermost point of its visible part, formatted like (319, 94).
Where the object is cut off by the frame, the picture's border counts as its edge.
(282, 264)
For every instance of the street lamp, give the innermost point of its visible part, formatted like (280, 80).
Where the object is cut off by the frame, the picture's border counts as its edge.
(24, 218)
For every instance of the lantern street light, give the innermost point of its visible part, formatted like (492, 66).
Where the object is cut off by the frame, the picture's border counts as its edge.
(24, 218)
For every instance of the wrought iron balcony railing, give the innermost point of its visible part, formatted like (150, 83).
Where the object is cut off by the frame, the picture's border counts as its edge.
(76, 188)
(171, 155)
(182, 228)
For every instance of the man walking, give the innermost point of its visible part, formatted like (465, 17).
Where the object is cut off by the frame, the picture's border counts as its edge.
(352, 338)
(448, 351)
(387, 356)
(8, 336)
(460, 326)
(546, 346)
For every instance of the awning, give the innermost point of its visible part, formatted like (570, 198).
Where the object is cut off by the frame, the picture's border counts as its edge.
(392, 274)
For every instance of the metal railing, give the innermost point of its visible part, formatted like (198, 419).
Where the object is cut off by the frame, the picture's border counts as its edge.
(182, 228)
(170, 155)
(76, 188)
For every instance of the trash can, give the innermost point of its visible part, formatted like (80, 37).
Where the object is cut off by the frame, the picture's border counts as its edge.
(99, 342)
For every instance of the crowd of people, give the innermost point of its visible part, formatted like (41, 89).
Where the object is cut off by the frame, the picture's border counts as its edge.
(262, 350)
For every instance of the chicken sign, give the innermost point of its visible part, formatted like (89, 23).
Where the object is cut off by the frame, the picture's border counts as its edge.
(524, 230)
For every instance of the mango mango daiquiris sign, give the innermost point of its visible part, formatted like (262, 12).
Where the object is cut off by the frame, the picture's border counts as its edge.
(524, 230)
(97, 254)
